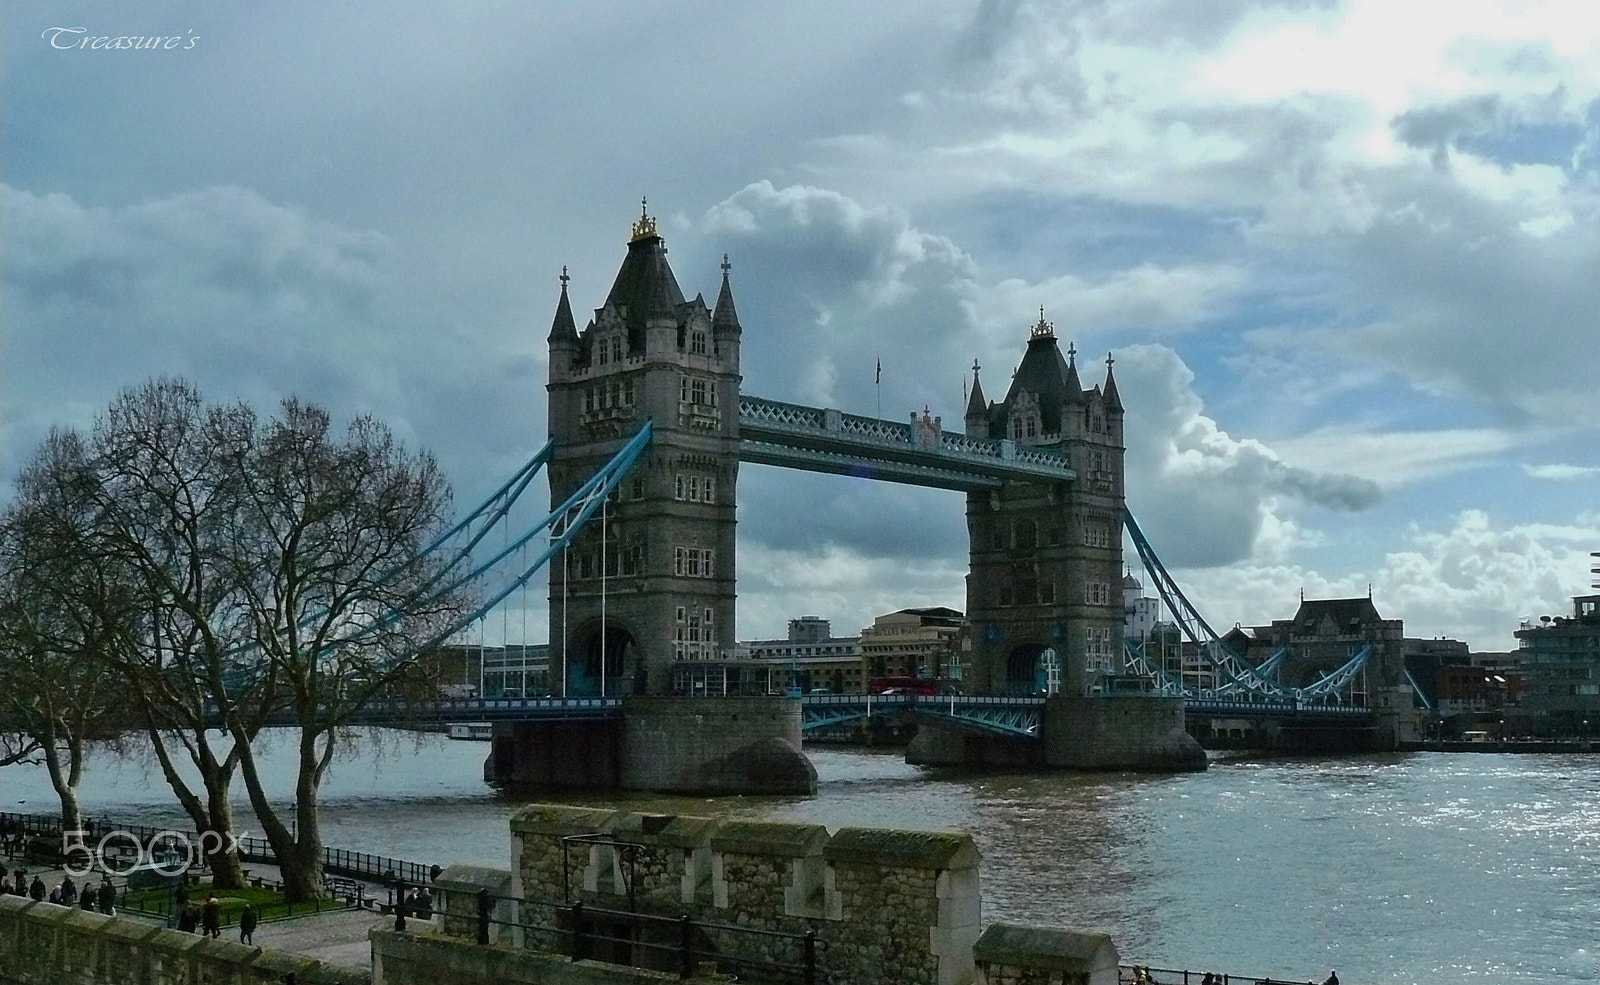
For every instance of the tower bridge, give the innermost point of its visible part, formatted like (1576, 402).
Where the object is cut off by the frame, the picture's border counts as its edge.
(642, 601)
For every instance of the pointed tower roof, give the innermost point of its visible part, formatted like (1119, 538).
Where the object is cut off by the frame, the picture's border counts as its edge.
(1113, 401)
(563, 328)
(645, 289)
(1044, 373)
(1074, 388)
(976, 405)
(725, 320)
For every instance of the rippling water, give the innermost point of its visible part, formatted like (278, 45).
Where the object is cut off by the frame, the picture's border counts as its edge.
(1426, 868)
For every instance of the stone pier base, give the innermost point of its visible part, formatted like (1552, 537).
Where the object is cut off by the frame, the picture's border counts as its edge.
(674, 745)
(714, 746)
(1135, 732)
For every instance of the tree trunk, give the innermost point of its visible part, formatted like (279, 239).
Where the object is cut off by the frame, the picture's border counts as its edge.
(221, 856)
(64, 780)
(299, 852)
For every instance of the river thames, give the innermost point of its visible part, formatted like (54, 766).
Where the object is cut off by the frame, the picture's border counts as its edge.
(1427, 868)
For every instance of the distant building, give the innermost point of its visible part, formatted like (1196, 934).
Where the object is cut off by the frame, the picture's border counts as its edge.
(810, 657)
(1158, 641)
(1561, 668)
(912, 643)
(512, 671)
(1324, 635)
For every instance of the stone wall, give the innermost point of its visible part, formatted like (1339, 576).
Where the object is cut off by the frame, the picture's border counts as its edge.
(1008, 954)
(45, 944)
(714, 745)
(1121, 733)
(891, 906)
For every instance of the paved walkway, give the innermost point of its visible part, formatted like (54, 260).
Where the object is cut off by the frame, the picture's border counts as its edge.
(338, 937)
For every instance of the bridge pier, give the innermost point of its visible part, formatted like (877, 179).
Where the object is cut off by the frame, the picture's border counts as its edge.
(664, 744)
(1134, 732)
(558, 753)
(938, 745)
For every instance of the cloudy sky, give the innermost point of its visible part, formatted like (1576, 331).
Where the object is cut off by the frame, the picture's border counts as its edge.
(1347, 253)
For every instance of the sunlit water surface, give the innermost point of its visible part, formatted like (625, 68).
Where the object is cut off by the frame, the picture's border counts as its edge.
(1426, 868)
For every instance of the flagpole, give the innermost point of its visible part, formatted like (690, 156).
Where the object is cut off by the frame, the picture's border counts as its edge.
(877, 383)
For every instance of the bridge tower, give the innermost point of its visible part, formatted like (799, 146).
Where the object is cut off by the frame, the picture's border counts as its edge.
(1044, 592)
(643, 601)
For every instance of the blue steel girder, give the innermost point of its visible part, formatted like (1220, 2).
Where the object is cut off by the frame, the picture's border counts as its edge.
(825, 440)
(1016, 717)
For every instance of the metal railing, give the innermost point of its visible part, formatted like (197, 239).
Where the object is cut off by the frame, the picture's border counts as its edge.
(1131, 974)
(682, 944)
(337, 861)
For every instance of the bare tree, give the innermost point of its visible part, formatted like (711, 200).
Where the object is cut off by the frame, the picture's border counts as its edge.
(162, 490)
(249, 573)
(60, 614)
(329, 542)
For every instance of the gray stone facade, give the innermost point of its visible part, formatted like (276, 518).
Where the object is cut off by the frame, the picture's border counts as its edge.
(892, 906)
(652, 586)
(1044, 594)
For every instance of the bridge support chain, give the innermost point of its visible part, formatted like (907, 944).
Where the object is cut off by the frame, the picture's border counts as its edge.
(1132, 732)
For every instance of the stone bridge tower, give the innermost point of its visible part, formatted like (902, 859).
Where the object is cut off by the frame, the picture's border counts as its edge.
(1044, 595)
(644, 601)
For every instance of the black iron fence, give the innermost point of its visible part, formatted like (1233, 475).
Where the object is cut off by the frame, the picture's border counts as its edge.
(1144, 975)
(681, 944)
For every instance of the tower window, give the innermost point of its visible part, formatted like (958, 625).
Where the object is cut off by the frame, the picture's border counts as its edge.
(697, 343)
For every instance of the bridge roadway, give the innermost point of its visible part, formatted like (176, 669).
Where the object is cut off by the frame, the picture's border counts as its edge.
(1015, 716)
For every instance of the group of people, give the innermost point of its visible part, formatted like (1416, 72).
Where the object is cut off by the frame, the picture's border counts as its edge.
(103, 897)
(207, 918)
(13, 837)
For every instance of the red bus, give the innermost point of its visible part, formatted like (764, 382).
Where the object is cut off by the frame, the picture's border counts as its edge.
(905, 685)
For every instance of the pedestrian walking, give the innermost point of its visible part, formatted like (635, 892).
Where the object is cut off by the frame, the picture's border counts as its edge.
(247, 925)
(106, 896)
(86, 902)
(69, 891)
(211, 917)
(188, 919)
(37, 890)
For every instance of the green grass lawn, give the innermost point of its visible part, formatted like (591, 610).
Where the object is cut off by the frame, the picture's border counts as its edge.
(269, 903)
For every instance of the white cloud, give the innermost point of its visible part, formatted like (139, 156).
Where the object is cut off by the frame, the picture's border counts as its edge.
(1469, 580)
(1559, 472)
(1206, 497)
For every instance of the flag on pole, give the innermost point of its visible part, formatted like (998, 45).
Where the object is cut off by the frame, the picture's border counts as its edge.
(879, 377)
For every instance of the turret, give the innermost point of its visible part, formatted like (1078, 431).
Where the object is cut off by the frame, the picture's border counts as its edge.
(725, 328)
(1113, 405)
(977, 416)
(563, 339)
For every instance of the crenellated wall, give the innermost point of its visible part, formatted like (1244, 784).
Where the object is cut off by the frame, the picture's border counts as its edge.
(892, 906)
(46, 944)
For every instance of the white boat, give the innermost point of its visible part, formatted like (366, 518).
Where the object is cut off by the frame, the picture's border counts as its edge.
(480, 731)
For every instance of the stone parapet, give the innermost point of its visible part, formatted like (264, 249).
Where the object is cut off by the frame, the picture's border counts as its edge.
(1009, 954)
(46, 944)
(892, 906)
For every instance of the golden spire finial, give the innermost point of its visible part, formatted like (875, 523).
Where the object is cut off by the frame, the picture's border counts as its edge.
(645, 228)
(1043, 330)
